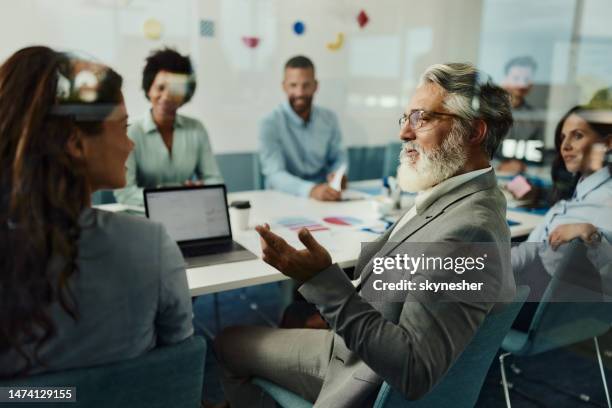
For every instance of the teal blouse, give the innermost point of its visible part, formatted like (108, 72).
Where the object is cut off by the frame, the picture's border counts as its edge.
(151, 164)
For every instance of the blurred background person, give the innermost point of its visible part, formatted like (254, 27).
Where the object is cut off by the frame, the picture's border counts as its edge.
(300, 144)
(170, 149)
(518, 81)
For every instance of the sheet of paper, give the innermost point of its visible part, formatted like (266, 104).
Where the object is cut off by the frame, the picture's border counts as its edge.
(519, 186)
(116, 207)
(336, 182)
(351, 195)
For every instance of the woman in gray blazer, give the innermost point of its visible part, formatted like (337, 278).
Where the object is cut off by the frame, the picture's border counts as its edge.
(78, 286)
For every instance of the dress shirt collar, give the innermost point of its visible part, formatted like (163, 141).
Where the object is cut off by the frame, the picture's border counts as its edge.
(427, 197)
(149, 124)
(294, 117)
(590, 183)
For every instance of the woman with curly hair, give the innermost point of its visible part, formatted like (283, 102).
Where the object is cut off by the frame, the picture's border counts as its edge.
(78, 286)
(170, 149)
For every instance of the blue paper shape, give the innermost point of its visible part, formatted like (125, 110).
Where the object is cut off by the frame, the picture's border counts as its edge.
(299, 27)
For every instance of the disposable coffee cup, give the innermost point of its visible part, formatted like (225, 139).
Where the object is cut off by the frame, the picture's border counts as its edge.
(239, 213)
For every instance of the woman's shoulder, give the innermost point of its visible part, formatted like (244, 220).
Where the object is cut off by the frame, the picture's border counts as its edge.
(190, 122)
(105, 229)
(126, 249)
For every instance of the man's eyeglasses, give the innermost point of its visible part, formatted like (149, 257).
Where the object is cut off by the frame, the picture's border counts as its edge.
(418, 116)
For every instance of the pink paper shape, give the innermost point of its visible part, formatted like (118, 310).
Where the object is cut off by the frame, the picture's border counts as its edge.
(519, 186)
(336, 221)
(251, 42)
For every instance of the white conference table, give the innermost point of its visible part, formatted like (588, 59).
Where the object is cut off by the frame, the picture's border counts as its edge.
(343, 242)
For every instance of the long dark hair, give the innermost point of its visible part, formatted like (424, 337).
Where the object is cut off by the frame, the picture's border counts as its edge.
(564, 182)
(42, 193)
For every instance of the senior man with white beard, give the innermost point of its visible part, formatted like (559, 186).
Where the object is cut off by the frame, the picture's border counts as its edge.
(451, 127)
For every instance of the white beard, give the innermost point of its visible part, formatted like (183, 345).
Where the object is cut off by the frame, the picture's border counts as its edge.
(431, 168)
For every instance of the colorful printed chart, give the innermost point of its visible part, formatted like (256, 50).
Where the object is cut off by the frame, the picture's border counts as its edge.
(297, 223)
(346, 221)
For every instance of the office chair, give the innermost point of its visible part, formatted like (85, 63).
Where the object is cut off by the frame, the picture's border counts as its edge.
(555, 325)
(459, 387)
(167, 376)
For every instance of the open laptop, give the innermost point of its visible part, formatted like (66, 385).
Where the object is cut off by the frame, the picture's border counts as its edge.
(198, 220)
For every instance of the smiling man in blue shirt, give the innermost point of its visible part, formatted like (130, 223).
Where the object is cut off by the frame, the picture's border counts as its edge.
(301, 144)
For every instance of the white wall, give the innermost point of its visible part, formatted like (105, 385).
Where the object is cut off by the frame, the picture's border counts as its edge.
(367, 82)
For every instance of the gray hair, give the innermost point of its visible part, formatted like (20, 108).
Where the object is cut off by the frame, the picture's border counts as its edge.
(472, 95)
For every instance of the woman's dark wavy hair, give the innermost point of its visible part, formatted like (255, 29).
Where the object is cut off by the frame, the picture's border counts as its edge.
(42, 193)
(564, 182)
(168, 60)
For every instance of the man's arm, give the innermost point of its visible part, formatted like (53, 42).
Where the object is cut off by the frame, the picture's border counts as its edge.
(273, 163)
(413, 353)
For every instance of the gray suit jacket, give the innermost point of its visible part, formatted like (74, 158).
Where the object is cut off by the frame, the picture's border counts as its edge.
(412, 344)
(131, 294)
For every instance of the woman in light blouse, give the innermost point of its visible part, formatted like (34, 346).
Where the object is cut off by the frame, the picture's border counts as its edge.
(583, 195)
(170, 149)
(583, 189)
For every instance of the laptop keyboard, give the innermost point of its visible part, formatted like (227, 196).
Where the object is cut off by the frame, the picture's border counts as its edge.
(210, 249)
(216, 254)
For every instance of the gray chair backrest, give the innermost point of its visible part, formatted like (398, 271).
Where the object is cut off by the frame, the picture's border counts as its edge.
(461, 385)
(572, 307)
(170, 376)
(240, 171)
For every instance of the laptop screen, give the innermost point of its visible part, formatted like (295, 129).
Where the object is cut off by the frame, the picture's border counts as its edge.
(191, 213)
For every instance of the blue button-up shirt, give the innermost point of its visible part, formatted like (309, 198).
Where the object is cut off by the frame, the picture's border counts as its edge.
(151, 164)
(591, 203)
(296, 155)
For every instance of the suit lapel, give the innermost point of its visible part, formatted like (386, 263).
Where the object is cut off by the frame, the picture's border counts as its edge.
(482, 182)
(369, 250)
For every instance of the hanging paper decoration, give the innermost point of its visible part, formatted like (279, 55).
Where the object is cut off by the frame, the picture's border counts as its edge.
(299, 27)
(207, 28)
(362, 19)
(336, 45)
(251, 42)
(152, 29)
